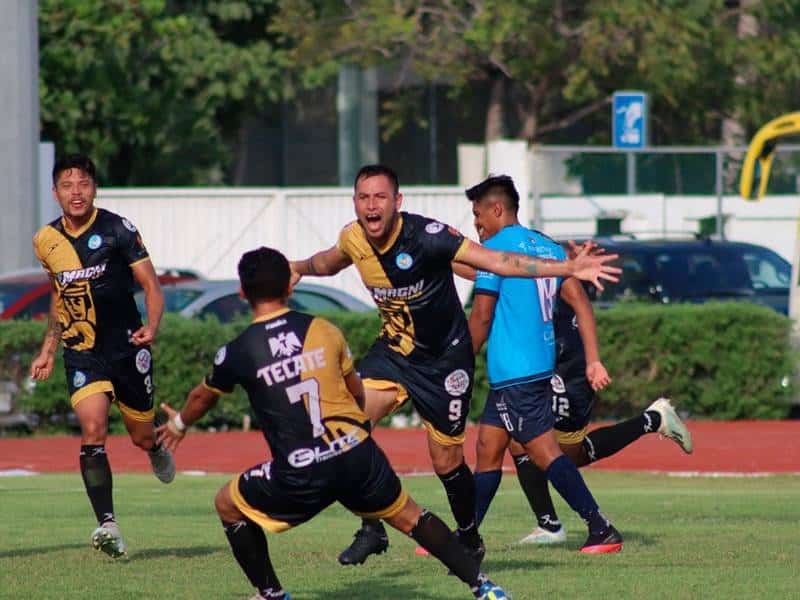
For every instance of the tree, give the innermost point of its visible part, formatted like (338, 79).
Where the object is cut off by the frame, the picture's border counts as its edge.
(151, 91)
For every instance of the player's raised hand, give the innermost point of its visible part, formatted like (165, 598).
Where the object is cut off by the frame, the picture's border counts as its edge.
(597, 375)
(173, 431)
(591, 264)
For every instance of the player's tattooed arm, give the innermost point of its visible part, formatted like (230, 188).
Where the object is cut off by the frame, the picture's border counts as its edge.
(42, 365)
(324, 263)
(587, 264)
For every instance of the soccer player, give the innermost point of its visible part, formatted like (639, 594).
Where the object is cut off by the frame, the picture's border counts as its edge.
(516, 317)
(579, 374)
(298, 374)
(423, 351)
(93, 257)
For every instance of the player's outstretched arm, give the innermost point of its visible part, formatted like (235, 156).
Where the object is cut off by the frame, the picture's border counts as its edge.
(145, 275)
(573, 294)
(322, 264)
(464, 271)
(199, 401)
(42, 365)
(586, 265)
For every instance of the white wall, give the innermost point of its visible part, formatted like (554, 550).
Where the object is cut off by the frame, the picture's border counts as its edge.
(208, 229)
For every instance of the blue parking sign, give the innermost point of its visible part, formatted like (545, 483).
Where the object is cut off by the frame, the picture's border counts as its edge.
(629, 118)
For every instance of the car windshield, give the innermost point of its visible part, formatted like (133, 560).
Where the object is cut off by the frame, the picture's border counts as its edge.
(176, 299)
(699, 272)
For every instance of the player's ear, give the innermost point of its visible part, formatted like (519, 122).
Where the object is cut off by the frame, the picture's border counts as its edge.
(241, 294)
(398, 200)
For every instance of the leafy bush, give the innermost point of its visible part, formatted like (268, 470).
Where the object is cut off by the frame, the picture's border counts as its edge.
(722, 361)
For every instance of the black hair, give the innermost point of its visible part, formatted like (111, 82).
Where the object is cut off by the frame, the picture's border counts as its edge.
(496, 184)
(264, 275)
(74, 161)
(373, 170)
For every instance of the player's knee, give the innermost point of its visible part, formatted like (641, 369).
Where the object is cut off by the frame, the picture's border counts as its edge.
(143, 440)
(226, 509)
(407, 518)
(94, 432)
(446, 460)
(490, 455)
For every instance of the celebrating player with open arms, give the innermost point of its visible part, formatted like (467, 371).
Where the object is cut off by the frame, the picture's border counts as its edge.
(424, 350)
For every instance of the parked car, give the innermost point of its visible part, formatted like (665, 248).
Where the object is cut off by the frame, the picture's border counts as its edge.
(697, 270)
(221, 299)
(25, 294)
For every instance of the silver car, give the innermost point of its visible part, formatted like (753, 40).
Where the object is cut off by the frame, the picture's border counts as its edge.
(220, 298)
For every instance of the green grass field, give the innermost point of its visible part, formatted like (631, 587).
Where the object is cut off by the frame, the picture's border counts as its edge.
(684, 538)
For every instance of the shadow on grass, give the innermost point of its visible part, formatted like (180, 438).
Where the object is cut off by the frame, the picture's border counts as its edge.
(383, 587)
(191, 552)
(22, 552)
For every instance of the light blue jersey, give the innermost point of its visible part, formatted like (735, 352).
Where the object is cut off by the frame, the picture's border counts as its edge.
(521, 342)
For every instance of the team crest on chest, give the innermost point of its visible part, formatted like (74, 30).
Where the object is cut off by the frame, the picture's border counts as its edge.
(94, 242)
(404, 261)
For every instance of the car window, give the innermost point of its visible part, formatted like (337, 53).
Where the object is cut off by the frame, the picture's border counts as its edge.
(768, 271)
(314, 302)
(694, 273)
(634, 281)
(226, 309)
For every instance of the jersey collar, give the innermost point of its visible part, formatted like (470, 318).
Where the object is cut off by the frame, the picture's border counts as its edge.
(398, 227)
(79, 232)
(272, 315)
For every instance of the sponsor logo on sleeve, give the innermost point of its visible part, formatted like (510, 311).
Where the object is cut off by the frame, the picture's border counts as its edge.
(434, 227)
(129, 226)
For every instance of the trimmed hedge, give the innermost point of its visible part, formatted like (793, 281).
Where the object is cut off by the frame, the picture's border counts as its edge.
(721, 361)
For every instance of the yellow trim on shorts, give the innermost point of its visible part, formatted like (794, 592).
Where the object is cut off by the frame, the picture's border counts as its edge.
(384, 385)
(390, 511)
(146, 416)
(264, 520)
(569, 438)
(442, 438)
(96, 387)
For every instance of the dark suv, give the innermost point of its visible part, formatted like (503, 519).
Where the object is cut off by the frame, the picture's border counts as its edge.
(697, 270)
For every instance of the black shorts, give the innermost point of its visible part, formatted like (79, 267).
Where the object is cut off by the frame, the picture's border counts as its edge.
(573, 398)
(128, 380)
(440, 390)
(280, 498)
(523, 410)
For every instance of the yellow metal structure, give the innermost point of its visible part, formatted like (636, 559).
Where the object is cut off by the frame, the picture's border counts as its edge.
(761, 152)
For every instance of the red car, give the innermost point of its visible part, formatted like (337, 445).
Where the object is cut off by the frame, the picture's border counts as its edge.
(25, 294)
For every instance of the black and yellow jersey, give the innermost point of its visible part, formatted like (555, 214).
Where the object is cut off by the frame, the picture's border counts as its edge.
(92, 276)
(411, 281)
(292, 366)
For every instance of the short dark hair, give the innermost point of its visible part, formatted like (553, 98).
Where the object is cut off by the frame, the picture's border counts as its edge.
(74, 161)
(264, 275)
(496, 184)
(373, 170)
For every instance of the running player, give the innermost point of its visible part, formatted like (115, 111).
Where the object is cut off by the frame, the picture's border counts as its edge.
(93, 258)
(298, 374)
(516, 316)
(423, 351)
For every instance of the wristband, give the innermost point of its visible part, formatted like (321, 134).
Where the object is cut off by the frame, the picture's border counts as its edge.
(177, 424)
